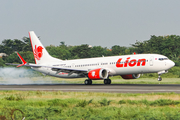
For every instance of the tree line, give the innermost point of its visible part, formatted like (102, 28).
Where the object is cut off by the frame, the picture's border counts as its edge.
(166, 45)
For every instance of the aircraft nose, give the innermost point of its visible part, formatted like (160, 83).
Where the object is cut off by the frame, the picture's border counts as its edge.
(171, 64)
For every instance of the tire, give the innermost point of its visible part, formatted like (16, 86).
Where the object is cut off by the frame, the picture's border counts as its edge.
(86, 82)
(109, 81)
(159, 79)
(90, 82)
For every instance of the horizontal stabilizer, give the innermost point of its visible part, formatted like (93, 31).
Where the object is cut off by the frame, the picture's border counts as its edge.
(22, 60)
(27, 65)
(24, 63)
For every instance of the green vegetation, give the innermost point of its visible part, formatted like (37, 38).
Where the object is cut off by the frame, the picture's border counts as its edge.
(57, 105)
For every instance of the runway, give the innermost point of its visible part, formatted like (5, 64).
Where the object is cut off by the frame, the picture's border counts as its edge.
(117, 88)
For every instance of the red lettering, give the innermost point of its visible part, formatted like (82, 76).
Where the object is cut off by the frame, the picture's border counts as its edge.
(139, 62)
(143, 61)
(118, 64)
(131, 63)
(126, 62)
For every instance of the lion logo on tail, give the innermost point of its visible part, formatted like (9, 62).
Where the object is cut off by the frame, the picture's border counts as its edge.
(38, 52)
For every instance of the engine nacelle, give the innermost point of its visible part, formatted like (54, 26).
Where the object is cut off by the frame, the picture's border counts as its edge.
(131, 76)
(98, 74)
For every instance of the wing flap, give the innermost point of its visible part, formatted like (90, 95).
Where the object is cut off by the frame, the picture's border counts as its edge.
(66, 70)
(70, 71)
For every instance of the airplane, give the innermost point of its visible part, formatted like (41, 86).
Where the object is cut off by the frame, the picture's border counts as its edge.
(99, 68)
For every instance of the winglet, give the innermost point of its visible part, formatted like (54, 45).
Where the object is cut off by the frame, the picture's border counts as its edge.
(23, 61)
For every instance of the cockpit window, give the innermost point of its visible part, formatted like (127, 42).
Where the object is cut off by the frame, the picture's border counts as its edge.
(163, 59)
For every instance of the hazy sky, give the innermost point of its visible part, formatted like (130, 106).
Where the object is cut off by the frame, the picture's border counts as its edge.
(95, 22)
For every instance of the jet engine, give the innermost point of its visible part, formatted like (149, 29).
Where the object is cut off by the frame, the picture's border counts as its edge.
(98, 74)
(131, 76)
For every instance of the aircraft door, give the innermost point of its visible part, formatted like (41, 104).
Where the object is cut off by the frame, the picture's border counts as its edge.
(151, 61)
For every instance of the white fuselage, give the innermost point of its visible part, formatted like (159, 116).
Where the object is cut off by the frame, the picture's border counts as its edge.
(115, 65)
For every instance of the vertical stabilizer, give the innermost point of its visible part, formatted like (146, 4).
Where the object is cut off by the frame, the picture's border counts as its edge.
(41, 56)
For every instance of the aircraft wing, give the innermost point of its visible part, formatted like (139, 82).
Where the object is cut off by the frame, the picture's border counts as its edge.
(53, 68)
(69, 71)
(58, 69)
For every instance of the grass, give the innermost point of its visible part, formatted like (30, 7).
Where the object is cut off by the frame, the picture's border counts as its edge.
(56, 105)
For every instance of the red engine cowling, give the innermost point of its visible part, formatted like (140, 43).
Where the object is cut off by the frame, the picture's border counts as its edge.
(98, 74)
(131, 76)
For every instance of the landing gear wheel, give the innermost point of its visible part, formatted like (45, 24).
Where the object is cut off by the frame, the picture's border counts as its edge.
(88, 82)
(107, 81)
(159, 78)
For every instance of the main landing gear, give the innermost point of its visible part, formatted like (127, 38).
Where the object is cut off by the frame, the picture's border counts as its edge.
(89, 82)
(107, 81)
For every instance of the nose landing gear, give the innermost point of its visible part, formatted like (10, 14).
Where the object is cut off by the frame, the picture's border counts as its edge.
(160, 73)
(159, 78)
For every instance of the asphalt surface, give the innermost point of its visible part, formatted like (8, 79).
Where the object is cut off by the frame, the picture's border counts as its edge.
(118, 88)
